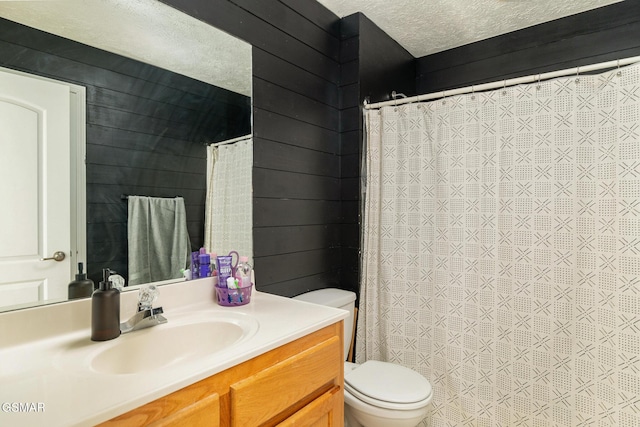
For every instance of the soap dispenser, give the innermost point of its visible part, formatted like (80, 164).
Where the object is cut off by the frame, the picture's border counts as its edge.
(105, 310)
(81, 287)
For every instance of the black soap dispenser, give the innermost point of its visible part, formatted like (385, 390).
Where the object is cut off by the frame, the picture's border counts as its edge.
(105, 310)
(81, 287)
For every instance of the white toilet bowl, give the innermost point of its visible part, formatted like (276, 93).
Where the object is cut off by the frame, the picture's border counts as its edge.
(376, 394)
(381, 394)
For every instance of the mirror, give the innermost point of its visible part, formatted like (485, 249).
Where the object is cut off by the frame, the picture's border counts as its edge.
(160, 85)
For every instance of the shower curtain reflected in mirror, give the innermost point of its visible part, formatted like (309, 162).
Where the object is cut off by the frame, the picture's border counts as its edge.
(501, 251)
(229, 204)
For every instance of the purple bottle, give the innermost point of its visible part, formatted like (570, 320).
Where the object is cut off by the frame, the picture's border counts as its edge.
(195, 265)
(205, 263)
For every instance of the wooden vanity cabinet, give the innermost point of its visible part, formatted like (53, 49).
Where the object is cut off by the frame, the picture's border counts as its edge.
(297, 384)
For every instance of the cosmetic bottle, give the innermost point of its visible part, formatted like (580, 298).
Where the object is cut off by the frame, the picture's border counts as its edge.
(81, 287)
(225, 268)
(205, 263)
(214, 267)
(243, 272)
(105, 310)
(195, 265)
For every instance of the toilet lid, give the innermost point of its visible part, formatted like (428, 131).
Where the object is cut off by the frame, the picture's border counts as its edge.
(388, 385)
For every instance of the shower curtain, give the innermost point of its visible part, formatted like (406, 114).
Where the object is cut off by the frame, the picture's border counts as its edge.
(229, 202)
(501, 251)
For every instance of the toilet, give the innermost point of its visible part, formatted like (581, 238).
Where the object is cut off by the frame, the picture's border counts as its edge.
(376, 394)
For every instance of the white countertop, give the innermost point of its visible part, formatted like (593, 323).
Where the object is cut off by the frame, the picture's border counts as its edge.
(41, 371)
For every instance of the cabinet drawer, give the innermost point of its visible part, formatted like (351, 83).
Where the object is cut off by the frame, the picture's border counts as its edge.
(205, 412)
(263, 396)
(325, 411)
(186, 407)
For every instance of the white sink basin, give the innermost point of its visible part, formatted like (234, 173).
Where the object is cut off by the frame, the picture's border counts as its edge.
(182, 339)
(150, 349)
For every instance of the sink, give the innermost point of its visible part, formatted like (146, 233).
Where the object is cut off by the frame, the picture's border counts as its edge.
(182, 340)
(151, 349)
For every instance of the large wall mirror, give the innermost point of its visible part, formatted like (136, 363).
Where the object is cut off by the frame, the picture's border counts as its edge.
(160, 85)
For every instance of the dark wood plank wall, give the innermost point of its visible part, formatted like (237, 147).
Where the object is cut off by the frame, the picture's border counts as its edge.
(296, 174)
(350, 143)
(307, 84)
(145, 132)
(373, 65)
(604, 34)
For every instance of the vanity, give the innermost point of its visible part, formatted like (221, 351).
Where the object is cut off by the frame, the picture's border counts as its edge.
(274, 361)
(152, 90)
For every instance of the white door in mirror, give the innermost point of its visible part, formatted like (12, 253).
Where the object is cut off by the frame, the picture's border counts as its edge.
(35, 190)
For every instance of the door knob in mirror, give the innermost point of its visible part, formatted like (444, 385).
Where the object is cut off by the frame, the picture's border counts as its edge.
(57, 256)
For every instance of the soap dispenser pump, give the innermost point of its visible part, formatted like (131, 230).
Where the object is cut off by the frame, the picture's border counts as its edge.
(81, 287)
(105, 310)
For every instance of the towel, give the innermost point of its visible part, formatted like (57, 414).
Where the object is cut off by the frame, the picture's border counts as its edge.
(159, 243)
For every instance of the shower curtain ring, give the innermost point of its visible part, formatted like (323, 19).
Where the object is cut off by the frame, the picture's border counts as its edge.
(577, 75)
(538, 85)
(504, 87)
(619, 73)
(444, 95)
(473, 92)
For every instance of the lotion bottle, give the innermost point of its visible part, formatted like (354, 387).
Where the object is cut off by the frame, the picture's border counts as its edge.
(105, 310)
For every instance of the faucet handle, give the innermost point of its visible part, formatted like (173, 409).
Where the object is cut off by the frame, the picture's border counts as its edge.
(146, 296)
(117, 281)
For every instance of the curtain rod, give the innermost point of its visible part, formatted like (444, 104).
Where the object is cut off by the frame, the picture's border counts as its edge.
(126, 197)
(504, 83)
(229, 141)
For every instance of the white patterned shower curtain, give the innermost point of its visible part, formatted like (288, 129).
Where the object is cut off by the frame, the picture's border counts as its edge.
(501, 251)
(229, 203)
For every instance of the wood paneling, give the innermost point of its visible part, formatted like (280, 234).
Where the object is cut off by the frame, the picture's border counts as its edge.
(146, 129)
(296, 126)
(373, 66)
(269, 213)
(608, 33)
(294, 159)
(385, 66)
(296, 238)
(276, 127)
(311, 72)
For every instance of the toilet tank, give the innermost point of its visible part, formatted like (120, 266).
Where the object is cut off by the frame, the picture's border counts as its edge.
(337, 298)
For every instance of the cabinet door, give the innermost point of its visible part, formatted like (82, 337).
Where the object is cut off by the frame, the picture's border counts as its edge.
(326, 411)
(284, 385)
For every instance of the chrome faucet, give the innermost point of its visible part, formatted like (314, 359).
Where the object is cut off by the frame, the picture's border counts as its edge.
(146, 316)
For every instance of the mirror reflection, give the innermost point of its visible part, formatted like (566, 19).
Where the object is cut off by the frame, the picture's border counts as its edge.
(147, 123)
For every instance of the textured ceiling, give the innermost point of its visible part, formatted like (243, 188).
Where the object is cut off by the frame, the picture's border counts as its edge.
(424, 27)
(146, 30)
(152, 32)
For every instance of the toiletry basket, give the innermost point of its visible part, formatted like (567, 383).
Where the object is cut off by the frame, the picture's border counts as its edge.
(233, 297)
